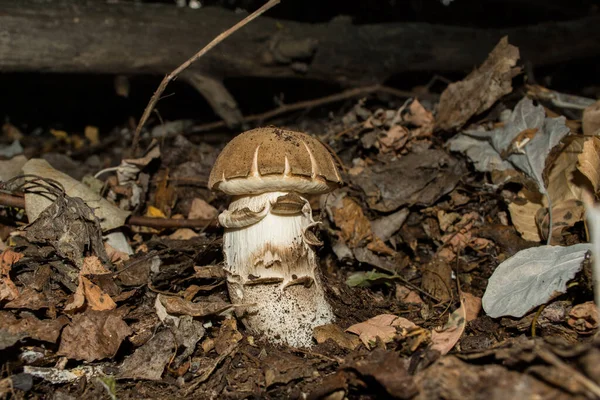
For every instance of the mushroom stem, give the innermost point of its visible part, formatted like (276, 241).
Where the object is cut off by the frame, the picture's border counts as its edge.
(270, 264)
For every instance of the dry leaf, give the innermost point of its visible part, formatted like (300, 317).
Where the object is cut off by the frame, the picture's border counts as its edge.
(91, 133)
(200, 209)
(480, 89)
(589, 162)
(93, 335)
(183, 234)
(178, 306)
(564, 215)
(382, 326)
(338, 335)
(88, 291)
(421, 118)
(584, 317)
(149, 361)
(445, 339)
(564, 181)
(472, 305)
(522, 214)
(8, 290)
(356, 228)
(591, 119)
(406, 295)
(394, 139)
(13, 329)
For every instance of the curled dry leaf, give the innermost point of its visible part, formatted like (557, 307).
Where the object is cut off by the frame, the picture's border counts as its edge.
(522, 214)
(8, 290)
(472, 305)
(13, 329)
(89, 292)
(564, 215)
(589, 162)
(480, 89)
(149, 361)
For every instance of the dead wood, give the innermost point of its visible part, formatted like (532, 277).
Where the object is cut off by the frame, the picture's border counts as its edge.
(126, 38)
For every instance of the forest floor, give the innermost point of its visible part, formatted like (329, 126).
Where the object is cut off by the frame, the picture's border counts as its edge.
(435, 255)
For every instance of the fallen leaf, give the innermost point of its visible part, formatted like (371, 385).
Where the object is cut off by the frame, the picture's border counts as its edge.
(591, 119)
(472, 305)
(178, 306)
(337, 335)
(13, 329)
(565, 182)
(584, 317)
(394, 139)
(89, 292)
(8, 290)
(382, 326)
(91, 133)
(183, 234)
(523, 212)
(445, 339)
(480, 89)
(200, 209)
(405, 295)
(93, 335)
(366, 279)
(530, 278)
(29, 299)
(565, 214)
(420, 117)
(228, 336)
(589, 162)
(109, 215)
(149, 361)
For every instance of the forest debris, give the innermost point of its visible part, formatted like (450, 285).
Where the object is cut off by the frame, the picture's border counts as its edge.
(29, 299)
(149, 361)
(87, 291)
(426, 176)
(564, 215)
(472, 305)
(228, 337)
(58, 376)
(531, 278)
(406, 295)
(200, 209)
(584, 317)
(178, 306)
(110, 217)
(481, 153)
(381, 326)
(282, 368)
(183, 234)
(11, 168)
(13, 329)
(588, 162)
(564, 180)
(526, 139)
(389, 370)
(8, 290)
(11, 150)
(522, 214)
(480, 89)
(337, 334)
(385, 227)
(446, 338)
(355, 227)
(93, 335)
(591, 119)
(437, 279)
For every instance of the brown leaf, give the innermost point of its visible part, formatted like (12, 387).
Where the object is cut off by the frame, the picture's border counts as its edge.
(149, 361)
(564, 181)
(178, 306)
(522, 214)
(421, 118)
(356, 228)
(480, 89)
(564, 215)
(381, 326)
(338, 335)
(13, 329)
(183, 234)
(472, 305)
(589, 162)
(445, 339)
(88, 291)
(8, 290)
(93, 335)
(394, 139)
(584, 317)
(29, 299)
(406, 295)
(228, 336)
(200, 209)
(591, 119)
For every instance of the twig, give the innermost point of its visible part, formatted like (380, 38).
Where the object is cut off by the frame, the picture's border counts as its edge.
(168, 78)
(308, 104)
(159, 223)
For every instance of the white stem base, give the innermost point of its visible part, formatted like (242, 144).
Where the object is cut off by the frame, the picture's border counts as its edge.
(271, 266)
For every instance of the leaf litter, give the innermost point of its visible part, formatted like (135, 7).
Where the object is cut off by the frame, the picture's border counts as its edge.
(145, 311)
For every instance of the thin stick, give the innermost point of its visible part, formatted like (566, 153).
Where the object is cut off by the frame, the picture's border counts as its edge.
(163, 85)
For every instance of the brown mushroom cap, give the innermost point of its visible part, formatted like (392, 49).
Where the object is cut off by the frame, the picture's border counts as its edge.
(274, 160)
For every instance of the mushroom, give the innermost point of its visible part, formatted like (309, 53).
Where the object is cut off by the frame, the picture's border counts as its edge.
(268, 243)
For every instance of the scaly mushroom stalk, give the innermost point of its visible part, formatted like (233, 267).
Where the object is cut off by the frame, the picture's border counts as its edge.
(272, 264)
(268, 244)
